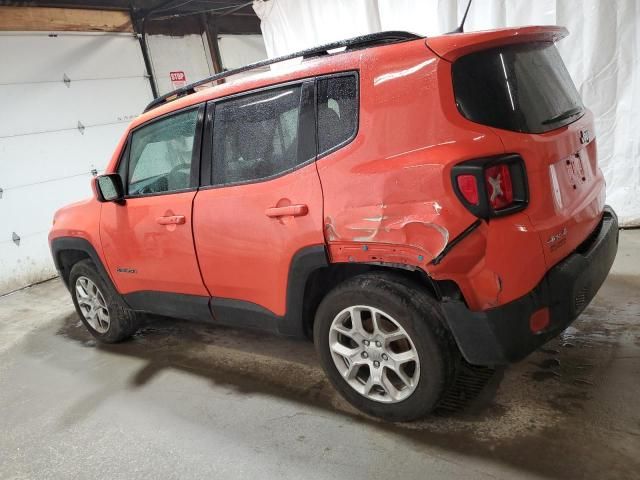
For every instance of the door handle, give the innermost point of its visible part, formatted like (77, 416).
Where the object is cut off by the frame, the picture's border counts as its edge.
(171, 220)
(288, 211)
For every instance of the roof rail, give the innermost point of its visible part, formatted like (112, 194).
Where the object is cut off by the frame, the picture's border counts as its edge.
(363, 41)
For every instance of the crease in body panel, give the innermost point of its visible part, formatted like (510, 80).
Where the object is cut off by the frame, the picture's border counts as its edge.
(415, 224)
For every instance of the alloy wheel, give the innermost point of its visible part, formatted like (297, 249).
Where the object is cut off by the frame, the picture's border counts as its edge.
(92, 304)
(374, 354)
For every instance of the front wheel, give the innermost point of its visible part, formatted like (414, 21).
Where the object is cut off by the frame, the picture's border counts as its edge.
(382, 343)
(99, 306)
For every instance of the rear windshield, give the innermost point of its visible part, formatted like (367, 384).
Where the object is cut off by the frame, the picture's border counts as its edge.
(524, 88)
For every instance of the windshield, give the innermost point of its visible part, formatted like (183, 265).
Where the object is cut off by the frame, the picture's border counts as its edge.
(525, 88)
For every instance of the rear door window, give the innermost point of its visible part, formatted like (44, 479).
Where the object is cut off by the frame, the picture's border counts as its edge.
(523, 88)
(256, 136)
(337, 111)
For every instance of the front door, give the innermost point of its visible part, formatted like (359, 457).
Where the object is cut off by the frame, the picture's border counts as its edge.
(148, 240)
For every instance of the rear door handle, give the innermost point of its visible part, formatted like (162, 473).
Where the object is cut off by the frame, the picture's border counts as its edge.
(171, 220)
(288, 211)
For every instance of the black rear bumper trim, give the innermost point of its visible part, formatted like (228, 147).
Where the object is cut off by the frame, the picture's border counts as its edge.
(502, 335)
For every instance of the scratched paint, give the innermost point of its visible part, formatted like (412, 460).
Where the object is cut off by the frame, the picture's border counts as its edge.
(411, 224)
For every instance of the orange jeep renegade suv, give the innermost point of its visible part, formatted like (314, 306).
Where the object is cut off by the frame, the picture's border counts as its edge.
(411, 204)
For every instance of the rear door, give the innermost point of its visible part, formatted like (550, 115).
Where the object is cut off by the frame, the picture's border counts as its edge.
(264, 200)
(147, 241)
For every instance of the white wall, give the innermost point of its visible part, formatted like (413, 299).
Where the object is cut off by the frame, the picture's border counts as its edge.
(45, 160)
(602, 54)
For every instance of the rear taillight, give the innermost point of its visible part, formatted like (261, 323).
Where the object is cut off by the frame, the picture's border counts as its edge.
(498, 182)
(491, 187)
(469, 188)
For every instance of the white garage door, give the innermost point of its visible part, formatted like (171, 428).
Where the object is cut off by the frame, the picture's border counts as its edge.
(65, 100)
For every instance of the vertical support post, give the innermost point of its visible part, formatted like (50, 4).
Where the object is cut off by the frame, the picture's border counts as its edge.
(138, 27)
(211, 32)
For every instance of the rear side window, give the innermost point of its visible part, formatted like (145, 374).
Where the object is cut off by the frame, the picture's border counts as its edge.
(256, 136)
(524, 88)
(160, 155)
(337, 111)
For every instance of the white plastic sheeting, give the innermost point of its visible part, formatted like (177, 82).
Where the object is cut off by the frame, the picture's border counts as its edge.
(602, 54)
(239, 50)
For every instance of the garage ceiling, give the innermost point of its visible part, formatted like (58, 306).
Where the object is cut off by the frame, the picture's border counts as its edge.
(157, 8)
(172, 17)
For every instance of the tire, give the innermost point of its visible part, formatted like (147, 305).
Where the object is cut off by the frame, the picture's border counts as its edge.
(394, 302)
(122, 322)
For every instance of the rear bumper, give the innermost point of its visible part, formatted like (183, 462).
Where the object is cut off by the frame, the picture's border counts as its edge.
(502, 335)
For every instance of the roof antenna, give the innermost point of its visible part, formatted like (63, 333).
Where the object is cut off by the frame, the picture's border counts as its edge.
(460, 29)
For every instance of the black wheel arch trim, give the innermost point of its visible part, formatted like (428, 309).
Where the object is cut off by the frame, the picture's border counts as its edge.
(61, 244)
(303, 264)
(464, 234)
(232, 312)
(219, 310)
(225, 311)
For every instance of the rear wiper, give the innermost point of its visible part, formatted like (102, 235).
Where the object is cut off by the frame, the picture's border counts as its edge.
(564, 115)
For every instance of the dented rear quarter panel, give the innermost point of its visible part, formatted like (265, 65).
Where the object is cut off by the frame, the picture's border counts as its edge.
(391, 186)
(388, 196)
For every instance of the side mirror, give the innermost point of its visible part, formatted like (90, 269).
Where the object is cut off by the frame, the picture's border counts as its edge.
(109, 188)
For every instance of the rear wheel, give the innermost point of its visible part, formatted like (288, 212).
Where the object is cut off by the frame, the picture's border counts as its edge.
(99, 306)
(382, 343)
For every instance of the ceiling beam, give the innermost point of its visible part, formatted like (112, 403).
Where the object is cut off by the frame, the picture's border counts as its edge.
(63, 19)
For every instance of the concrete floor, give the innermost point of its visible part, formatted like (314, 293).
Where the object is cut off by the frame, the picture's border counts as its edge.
(187, 401)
